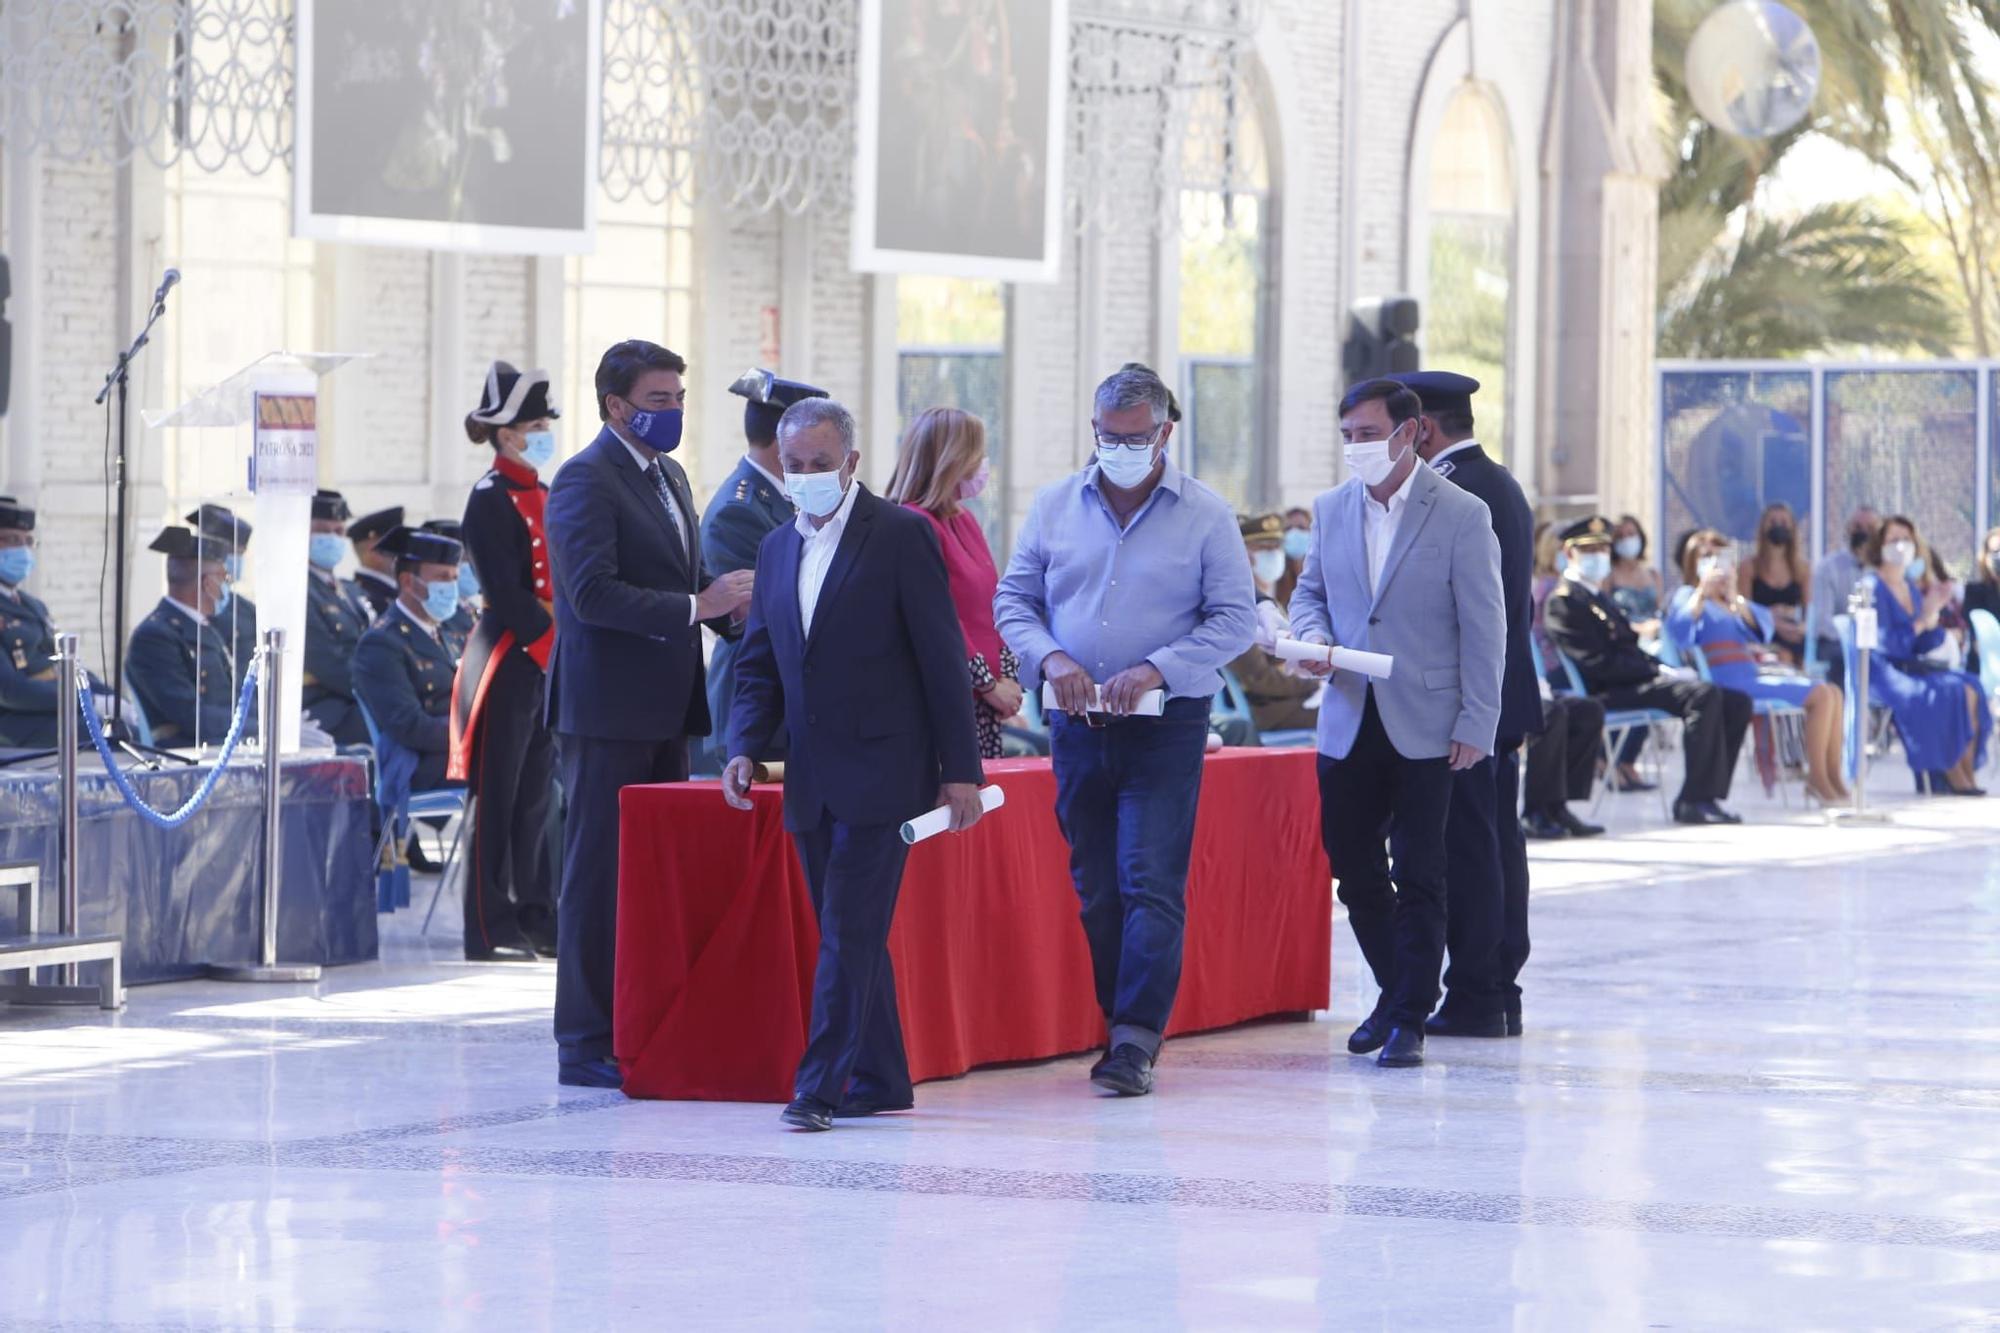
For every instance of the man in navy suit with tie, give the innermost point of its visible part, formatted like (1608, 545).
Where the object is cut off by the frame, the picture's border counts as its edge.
(625, 688)
(853, 645)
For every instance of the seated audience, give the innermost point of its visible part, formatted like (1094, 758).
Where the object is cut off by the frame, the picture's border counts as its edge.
(1983, 593)
(1777, 579)
(1833, 580)
(1276, 696)
(374, 564)
(336, 618)
(1548, 574)
(1587, 625)
(1562, 766)
(1298, 544)
(1940, 715)
(1710, 613)
(1634, 584)
(403, 668)
(29, 687)
(179, 660)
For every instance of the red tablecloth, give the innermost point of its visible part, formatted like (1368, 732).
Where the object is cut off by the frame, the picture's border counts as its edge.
(717, 937)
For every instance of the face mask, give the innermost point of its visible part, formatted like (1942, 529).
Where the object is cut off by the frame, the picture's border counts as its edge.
(1374, 460)
(1857, 539)
(1900, 553)
(232, 567)
(441, 599)
(1915, 569)
(16, 563)
(538, 448)
(325, 549)
(816, 493)
(1123, 468)
(1628, 548)
(1594, 567)
(1779, 535)
(1562, 562)
(972, 486)
(657, 430)
(1298, 543)
(468, 581)
(221, 599)
(1268, 564)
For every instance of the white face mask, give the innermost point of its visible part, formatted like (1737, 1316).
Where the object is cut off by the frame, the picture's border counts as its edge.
(1592, 567)
(1374, 460)
(1628, 548)
(1269, 565)
(1900, 554)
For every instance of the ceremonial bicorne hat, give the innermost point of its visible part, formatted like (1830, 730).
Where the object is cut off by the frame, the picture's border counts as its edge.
(512, 396)
(769, 397)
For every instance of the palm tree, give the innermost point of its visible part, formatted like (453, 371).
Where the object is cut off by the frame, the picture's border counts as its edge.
(1875, 55)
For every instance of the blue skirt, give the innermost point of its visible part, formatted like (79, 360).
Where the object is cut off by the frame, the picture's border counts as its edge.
(1759, 683)
(1930, 713)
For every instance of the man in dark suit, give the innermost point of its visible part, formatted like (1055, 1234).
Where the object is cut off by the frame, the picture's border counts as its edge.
(625, 684)
(375, 569)
(336, 618)
(1590, 629)
(1486, 855)
(744, 510)
(179, 659)
(854, 645)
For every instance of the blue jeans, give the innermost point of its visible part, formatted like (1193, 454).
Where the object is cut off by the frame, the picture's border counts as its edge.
(1125, 797)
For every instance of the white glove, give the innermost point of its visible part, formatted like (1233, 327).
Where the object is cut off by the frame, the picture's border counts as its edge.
(311, 737)
(1272, 625)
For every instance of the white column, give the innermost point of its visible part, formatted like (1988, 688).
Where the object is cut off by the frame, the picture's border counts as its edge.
(448, 444)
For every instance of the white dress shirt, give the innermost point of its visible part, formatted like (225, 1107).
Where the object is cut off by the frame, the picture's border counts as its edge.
(186, 610)
(777, 482)
(816, 554)
(680, 521)
(1379, 523)
(1458, 448)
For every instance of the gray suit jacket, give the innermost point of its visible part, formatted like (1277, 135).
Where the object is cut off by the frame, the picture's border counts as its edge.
(1439, 612)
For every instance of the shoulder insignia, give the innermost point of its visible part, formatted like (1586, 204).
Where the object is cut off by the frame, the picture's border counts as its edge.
(743, 488)
(485, 483)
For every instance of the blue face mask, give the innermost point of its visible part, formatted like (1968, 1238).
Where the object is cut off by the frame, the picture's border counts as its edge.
(468, 581)
(1123, 468)
(325, 549)
(1915, 569)
(538, 448)
(1298, 543)
(441, 599)
(816, 493)
(232, 566)
(222, 599)
(16, 563)
(657, 430)
(1593, 566)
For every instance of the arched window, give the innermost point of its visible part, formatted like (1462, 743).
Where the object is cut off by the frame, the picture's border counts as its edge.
(1227, 252)
(1468, 313)
(951, 338)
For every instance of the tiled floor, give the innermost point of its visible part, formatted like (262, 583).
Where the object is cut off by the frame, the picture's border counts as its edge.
(1760, 1089)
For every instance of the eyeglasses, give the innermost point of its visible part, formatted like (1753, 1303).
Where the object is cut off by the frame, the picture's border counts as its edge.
(1136, 443)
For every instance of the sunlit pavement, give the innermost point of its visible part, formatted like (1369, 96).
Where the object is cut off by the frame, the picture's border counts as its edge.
(1758, 1088)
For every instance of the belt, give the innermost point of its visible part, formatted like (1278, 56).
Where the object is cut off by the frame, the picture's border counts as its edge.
(1729, 652)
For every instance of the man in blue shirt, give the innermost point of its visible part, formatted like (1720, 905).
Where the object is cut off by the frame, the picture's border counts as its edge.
(1129, 576)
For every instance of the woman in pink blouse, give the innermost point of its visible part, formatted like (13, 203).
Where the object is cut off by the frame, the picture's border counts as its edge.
(941, 464)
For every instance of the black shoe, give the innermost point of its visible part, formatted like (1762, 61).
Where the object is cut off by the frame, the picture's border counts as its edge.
(1541, 826)
(500, 953)
(538, 928)
(1698, 812)
(1619, 782)
(1374, 1030)
(1514, 1022)
(1404, 1048)
(1721, 814)
(590, 1074)
(1128, 1072)
(1444, 1024)
(419, 859)
(1577, 828)
(808, 1113)
(867, 1106)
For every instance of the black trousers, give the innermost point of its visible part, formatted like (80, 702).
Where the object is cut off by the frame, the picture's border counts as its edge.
(1375, 804)
(514, 780)
(1486, 886)
(855, 873)
(1716, 720)
(594, 771)
(1562, 759)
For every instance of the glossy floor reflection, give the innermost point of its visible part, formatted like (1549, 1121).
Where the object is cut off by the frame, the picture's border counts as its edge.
(1758, 1097)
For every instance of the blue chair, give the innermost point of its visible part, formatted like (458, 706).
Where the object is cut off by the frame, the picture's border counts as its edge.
(1618, 724)
(398, 805)
(1986, 633)
(1776, 710)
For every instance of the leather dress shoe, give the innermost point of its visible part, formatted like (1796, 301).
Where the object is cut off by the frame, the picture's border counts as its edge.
(1577, 828)
(1621, 783)
(1369, 1036)
(1540, 826)
(1446, 1024)
(1404, 1048)
(1703, 812)
(1128, 1072)
(808, 1113)
(500, 953)
(420, 860)
(590, 1074)
(859, 1107)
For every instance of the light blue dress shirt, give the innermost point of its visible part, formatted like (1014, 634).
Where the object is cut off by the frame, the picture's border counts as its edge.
(1172, 587)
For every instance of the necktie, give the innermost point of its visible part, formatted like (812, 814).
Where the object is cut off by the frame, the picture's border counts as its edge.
(658, 475)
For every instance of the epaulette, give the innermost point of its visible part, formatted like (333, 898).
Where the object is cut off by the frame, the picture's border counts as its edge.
(484, 483)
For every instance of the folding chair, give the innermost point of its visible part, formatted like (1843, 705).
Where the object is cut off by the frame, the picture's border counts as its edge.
(398, 805)
(1618, 724)
(1776, 711)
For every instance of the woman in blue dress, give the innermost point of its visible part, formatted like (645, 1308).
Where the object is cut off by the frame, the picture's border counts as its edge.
(1711, 614)
(1939, 715)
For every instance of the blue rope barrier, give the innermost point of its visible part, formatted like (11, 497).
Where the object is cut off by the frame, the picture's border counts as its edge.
(194, 803)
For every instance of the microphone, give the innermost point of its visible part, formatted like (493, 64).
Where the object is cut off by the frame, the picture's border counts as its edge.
(173, 275)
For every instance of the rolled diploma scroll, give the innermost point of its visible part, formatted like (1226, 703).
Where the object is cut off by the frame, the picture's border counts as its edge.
(1347, 659)
(938, 820)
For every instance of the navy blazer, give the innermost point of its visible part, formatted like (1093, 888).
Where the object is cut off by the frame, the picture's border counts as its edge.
(1514, 526)
(627, 659)
(183, 676)
(874, 698)
(403, 677)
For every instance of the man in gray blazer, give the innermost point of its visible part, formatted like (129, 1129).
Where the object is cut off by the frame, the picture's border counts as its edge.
(1402, 563)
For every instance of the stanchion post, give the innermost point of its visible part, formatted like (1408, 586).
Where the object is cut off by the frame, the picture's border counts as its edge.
(1861, 614)
(269, 693)
(68, 914)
